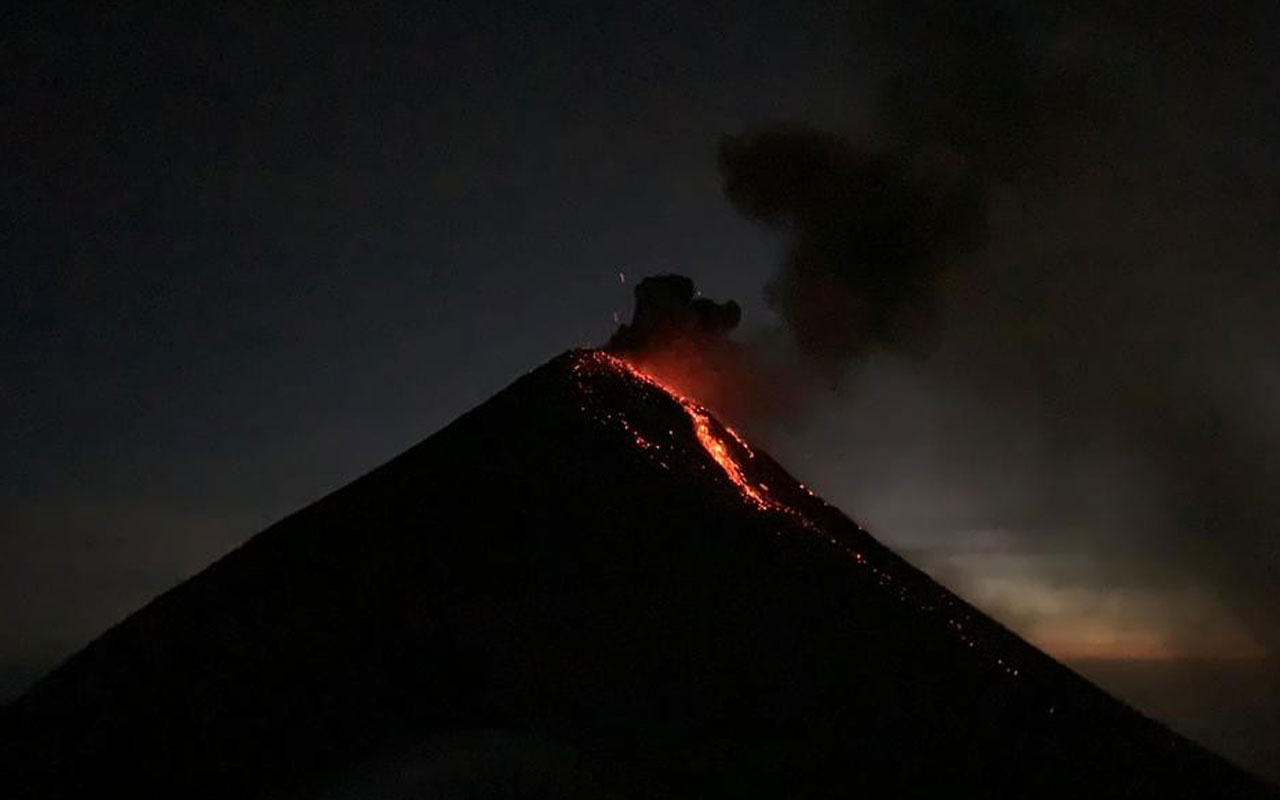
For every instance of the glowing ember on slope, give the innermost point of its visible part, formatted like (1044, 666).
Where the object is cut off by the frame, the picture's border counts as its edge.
(719, 451)
(708, 432)
(728, 450)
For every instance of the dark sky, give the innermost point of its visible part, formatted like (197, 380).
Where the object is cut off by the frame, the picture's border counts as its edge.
(250, 253)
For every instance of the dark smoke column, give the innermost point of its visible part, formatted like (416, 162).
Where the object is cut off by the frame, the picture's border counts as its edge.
(872, 234)
(668, 314)
(683, 339)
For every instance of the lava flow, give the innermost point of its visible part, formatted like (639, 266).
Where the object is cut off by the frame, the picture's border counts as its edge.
(727, 448)
(715, 444)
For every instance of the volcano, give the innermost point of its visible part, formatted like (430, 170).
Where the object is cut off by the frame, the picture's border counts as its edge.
(587, 586)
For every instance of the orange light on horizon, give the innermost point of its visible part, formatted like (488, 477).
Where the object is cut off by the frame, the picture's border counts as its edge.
(1074, 616)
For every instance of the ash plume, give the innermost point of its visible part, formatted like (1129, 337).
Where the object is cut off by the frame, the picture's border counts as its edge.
(1070, 209)
(670, 313)
(871, 235)
(684, 339)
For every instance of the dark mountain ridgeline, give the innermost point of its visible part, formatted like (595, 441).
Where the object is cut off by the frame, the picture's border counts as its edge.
(569, 562)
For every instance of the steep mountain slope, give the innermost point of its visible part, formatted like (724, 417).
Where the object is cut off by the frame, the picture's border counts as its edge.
(588, 560)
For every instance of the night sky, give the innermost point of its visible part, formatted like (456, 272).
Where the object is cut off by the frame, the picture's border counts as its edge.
(250, 253)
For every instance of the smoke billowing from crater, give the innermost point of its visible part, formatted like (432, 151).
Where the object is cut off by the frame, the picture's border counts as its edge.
(684, 339)
(1069, 209)
(871, 235)
(670, 313)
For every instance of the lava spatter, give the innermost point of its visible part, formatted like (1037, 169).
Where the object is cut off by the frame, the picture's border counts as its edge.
(732, 454)
(725, 446)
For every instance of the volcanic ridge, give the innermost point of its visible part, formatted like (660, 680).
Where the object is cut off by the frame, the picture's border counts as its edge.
(592, 562)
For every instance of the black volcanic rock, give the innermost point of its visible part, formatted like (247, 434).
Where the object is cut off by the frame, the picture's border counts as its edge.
(564, 594)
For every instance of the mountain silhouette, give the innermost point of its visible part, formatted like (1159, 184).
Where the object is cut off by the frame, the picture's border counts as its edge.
(586, 586)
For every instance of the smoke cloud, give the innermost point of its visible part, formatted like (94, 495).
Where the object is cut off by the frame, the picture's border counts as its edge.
(684, 339)
(669, 313)
(1070, 209)
(872, 235)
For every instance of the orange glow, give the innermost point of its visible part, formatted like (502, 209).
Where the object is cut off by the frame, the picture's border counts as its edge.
(1104, 639)
(1085, 643)
(1073, 617)
(732, 455)
(718, 450)
(717, 446)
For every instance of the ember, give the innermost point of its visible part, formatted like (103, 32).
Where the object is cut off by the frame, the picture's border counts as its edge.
(720, 448)
(730, 452)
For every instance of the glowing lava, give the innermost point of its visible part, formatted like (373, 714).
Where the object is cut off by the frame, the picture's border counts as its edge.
(727, 449)
(719, 451)
(716, 445)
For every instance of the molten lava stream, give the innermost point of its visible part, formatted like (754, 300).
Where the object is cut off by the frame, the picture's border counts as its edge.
(715, 445)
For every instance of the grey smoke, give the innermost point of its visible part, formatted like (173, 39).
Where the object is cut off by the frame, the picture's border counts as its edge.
(871, 234)
(1089, 261)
